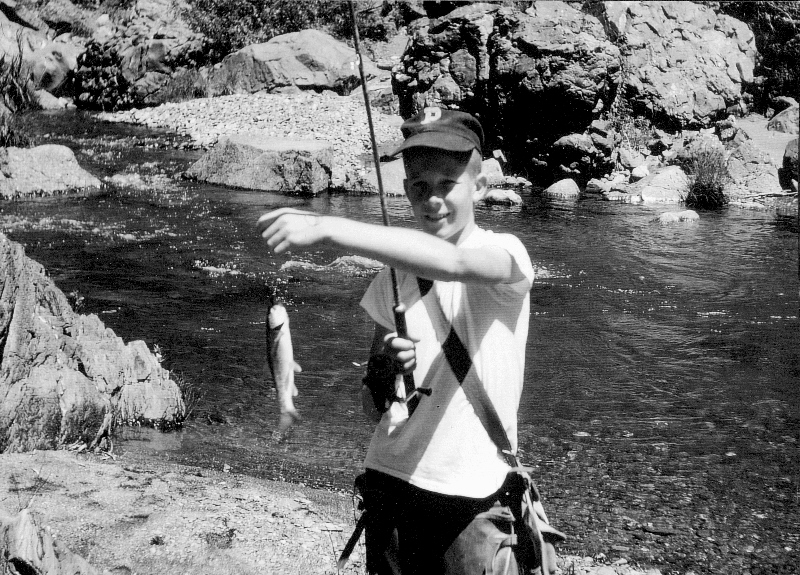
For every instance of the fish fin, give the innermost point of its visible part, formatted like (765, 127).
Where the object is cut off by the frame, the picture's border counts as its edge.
(297, 368)
(288, 418)
(294, 390)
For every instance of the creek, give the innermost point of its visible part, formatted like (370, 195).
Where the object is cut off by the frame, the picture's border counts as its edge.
(659, 357)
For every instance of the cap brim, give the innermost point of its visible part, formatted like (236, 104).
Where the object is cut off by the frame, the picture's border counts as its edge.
(441, 141)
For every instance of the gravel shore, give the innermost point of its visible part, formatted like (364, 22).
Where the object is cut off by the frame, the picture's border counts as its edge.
(340, 120)
(143, 516)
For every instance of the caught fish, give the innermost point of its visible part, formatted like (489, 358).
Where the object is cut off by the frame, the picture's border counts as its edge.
(281, 363)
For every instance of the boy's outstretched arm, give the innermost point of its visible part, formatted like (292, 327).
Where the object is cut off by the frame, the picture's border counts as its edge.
(410, 250)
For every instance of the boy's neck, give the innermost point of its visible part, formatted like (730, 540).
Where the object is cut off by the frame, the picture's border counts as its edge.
(460, 236)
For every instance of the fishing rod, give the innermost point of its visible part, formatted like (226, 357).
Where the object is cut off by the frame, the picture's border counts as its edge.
(399, 308)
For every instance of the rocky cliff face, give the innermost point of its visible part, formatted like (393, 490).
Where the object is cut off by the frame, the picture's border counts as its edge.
(548, 72)
(64, 377)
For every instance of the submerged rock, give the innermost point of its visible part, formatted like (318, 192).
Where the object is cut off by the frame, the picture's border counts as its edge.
(65, 377)
(675, 217)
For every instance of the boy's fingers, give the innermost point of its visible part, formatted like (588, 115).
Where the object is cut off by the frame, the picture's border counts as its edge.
(266, 220)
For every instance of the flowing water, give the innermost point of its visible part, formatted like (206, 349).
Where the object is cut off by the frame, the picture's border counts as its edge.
(676, 343)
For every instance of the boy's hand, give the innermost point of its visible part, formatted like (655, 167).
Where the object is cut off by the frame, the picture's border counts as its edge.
(402, 351)
(286, 228)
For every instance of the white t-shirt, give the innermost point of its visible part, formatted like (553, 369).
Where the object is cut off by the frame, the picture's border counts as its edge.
(444, 447)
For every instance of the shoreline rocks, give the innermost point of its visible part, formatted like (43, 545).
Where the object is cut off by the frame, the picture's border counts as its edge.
(65, 378)
(340, 121)
(258, 162)
(42, 171)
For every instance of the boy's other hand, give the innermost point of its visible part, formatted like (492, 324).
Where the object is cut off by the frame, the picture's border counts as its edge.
(286, 228)
(402, 351)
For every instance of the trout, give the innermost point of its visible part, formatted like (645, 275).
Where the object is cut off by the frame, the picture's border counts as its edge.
(281, 363)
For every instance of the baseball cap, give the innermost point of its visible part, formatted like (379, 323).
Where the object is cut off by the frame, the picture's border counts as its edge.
(443, 129)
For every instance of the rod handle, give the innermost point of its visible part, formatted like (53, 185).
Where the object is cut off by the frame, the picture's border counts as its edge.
(402, 331)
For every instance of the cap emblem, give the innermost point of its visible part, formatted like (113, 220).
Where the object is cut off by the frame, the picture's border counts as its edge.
(431, 115)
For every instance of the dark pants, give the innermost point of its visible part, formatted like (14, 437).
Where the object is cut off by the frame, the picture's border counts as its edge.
(408, 529)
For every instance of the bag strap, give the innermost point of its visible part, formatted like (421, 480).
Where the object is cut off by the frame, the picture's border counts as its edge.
(487, 414)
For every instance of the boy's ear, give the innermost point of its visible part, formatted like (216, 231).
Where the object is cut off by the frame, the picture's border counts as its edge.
(481, 187)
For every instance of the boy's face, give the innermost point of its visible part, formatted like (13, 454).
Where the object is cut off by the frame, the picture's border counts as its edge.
(442, 188)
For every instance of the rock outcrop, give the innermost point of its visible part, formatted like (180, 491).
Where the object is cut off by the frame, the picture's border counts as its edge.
(42, 171)
(259, 162)
(26, 549)
(520, 72)
(64, 377)
(132, 59)
(684, 65)
(541, 77)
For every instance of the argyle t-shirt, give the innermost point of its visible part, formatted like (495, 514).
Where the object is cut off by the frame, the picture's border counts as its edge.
(479, 329)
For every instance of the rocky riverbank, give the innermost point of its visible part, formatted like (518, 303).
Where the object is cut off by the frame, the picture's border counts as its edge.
(340, 120)
(140, 516)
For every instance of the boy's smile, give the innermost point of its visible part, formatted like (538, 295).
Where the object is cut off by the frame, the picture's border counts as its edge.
(442, 188)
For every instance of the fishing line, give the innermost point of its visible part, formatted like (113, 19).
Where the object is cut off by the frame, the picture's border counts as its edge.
(399, 308)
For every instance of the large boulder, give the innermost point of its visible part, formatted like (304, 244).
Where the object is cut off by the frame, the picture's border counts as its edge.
(667, 186)
(306, 60)
(41, 171)
(27, 549)
(64, 377)
(751, 171)
(259, 162)
(788, 170)
(684, 64)
(786, 121)
(565, 189)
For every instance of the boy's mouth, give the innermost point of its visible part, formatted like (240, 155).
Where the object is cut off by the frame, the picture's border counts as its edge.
(436, 217)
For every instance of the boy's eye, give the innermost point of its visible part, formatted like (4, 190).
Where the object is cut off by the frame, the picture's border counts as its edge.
(421, 189)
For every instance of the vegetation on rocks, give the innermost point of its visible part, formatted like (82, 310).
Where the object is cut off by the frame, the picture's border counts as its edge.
(232, 24)
(18, 96)
(708, 173)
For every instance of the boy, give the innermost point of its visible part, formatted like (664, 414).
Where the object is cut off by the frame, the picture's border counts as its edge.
(432, 469)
